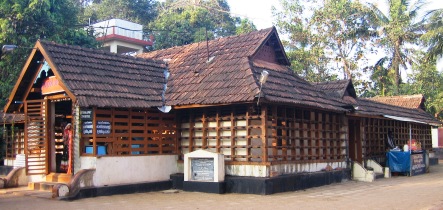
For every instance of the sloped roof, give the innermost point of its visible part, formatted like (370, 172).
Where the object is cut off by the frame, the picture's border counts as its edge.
(338, 88)
(284, 86)
(224, 71)
(98, 78)
(370, 107)
(407, 101)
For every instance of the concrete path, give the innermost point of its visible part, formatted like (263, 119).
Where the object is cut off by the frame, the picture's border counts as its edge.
(401, 192)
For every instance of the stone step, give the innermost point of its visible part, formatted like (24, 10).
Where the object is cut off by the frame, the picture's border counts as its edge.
(58, 177)
(41, 186)
(379, 175)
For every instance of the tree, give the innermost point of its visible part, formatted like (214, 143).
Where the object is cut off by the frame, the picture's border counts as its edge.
(245, 26)
(140, 11)
(398, 31)
(343, 29)
(434, 34)
(307, 60)
(183, 22)
(22, 23)
(427, 80)
(331, 39)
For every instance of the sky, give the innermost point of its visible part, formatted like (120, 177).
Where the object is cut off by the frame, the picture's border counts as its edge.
(261, 15)
(259, 11)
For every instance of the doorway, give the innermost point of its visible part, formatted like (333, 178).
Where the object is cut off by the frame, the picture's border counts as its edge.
(355, 145)
(61, 115)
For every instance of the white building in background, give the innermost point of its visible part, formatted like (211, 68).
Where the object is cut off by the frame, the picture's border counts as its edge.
(121, 36)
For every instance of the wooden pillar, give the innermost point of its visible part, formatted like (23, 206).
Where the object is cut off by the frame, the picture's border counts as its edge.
(217, 130)
(284, 133)
(204, 131)
(274, 133)
(94, 131)
(264, 133)
(177, 133)
(233, 135)
(248, 136)
(191, 131)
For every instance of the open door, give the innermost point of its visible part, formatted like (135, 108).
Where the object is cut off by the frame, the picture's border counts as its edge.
(36, 133)
(355, 145)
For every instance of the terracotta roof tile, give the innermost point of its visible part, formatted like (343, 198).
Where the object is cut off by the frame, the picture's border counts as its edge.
(233, 75)
(104, 79)
(407, 101)
(371, 107)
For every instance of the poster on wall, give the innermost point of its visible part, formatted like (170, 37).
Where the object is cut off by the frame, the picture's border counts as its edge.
(86, 114)
(418, 164)
(103, 127)
(87, 127)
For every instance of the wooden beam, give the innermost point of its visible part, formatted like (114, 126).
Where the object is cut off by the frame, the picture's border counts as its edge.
(264, 133)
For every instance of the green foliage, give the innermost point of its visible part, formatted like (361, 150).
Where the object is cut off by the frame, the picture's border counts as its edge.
(398, 30)
(307, 60)
(342, 29)
(427, 80)
(434, 35)
(22, 23)
(245, 26)
(332, 39)
(182, 22)
(140, 11)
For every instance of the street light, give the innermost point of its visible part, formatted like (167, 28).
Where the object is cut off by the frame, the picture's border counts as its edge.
(8, 48)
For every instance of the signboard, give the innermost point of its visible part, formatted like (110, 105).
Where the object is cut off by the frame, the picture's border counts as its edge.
(202, 169)
(86, 114)
(103, 127)
(51, 85)
(418, 164)
(87, 127)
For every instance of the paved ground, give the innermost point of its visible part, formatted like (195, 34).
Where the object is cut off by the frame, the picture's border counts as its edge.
(418, 192)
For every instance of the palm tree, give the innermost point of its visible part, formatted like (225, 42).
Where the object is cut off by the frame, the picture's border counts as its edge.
(396, 30)
(434, 34)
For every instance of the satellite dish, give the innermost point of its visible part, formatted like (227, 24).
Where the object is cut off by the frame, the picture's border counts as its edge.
(165, 109)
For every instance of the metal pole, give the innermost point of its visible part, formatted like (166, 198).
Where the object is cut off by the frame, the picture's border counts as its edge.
(410, 150)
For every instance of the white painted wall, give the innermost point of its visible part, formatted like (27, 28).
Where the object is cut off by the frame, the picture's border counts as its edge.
(279, 169)
(132, 169)
(434, 132)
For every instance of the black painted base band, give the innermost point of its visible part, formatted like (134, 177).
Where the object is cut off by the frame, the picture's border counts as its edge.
(207, 187)
(433, 161)
(266, 186)
(121, 189)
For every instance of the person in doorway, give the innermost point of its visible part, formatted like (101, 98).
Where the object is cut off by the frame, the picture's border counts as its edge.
(67, 153)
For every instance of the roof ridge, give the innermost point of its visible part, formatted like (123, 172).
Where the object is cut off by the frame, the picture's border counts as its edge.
(100, 51)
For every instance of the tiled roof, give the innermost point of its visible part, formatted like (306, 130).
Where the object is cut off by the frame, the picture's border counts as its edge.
(226, 78)
(283, 86)
(104, 79)
(407, 101)
(231, 74)
(337, 88)
(371, 107)
(368, 106)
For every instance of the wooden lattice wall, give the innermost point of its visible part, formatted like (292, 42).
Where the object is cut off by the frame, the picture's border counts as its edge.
(14, 142)
(134, 132)
(375, 132)
(247, 133)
